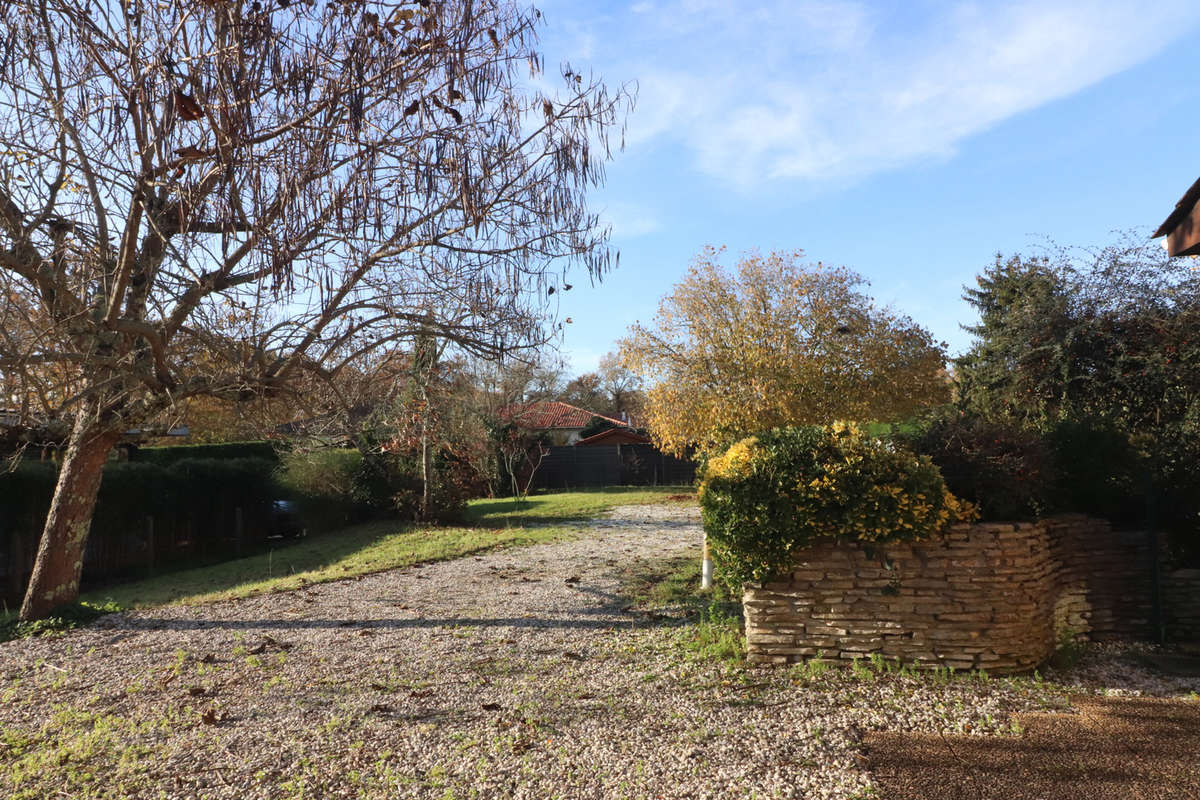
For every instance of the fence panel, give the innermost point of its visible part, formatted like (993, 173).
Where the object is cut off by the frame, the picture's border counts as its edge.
(571, 467)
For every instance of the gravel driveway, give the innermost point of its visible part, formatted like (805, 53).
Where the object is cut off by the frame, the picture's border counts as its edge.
(519, 673)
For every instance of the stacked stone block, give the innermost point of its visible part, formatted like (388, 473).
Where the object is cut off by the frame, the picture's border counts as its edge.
(995, 596)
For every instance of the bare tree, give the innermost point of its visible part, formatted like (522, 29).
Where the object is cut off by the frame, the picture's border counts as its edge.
(623, 387)
(212, 197)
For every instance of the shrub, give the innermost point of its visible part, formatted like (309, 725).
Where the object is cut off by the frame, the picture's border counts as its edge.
(323, 482)
(325, 472)
(1099, 470)
(771, 495)
(1007, 472)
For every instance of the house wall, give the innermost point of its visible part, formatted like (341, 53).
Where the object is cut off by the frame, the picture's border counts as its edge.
(997, 596)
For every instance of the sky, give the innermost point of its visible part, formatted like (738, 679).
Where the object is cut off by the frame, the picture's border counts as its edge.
(907, 140)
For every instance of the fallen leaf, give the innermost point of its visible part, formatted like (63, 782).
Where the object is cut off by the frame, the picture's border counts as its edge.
(492, 707)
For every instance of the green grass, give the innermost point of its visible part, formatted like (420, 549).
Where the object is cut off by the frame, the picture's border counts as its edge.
(669, 582)
(354, 551)
(712, 630)
(560, 507)
(75, 615)
(377, 546)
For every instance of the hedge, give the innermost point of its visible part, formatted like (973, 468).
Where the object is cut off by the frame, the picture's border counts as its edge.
(173, 453)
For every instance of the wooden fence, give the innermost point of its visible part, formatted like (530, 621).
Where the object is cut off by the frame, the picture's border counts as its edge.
(611, 465)
(143, 544)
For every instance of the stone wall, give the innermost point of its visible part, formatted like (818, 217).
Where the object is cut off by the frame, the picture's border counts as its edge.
(996, 596)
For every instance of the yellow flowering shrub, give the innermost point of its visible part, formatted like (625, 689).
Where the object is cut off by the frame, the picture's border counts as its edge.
(769, 496)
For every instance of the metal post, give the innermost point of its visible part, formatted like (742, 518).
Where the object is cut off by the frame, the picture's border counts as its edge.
(706, 567)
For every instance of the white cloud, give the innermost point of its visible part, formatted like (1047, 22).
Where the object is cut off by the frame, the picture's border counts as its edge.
(629, 221)
(832, 88)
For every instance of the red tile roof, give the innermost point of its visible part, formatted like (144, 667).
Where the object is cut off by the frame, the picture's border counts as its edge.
(551, 414)
(614, 436)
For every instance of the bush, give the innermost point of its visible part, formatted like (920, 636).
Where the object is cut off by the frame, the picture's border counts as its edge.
(1099, 470)
(771, 495)
(452, 482)
(334, 487)
(1007, 472)
(324, 472)
(323, 483)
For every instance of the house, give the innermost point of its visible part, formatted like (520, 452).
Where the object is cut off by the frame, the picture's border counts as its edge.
(1182, 227)
(563, 421)
(613, 436)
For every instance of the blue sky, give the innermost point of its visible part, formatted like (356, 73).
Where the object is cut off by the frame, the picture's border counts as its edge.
(907, 140)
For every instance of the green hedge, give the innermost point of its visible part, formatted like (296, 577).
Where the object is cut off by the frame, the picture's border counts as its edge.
(771, 495)
(173, 453)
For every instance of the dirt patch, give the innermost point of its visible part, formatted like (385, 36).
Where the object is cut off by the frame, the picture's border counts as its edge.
(1117, 747)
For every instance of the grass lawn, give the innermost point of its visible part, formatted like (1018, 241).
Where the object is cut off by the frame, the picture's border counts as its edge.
(378, 546)
(558, 507)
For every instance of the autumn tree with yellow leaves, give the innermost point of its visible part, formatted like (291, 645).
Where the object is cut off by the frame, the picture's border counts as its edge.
(776, 341)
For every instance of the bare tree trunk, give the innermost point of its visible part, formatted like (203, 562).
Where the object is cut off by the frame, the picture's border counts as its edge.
(55, 579)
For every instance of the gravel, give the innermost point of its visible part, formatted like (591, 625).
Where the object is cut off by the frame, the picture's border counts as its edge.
(519, 673)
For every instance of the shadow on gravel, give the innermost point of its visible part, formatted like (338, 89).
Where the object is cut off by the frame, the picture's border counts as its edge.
(627, 619)
(1115, 748)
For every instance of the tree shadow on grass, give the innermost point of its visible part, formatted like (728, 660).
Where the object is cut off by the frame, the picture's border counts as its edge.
(308, 556)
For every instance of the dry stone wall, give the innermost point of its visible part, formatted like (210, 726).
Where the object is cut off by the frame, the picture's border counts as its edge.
(996, 596)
